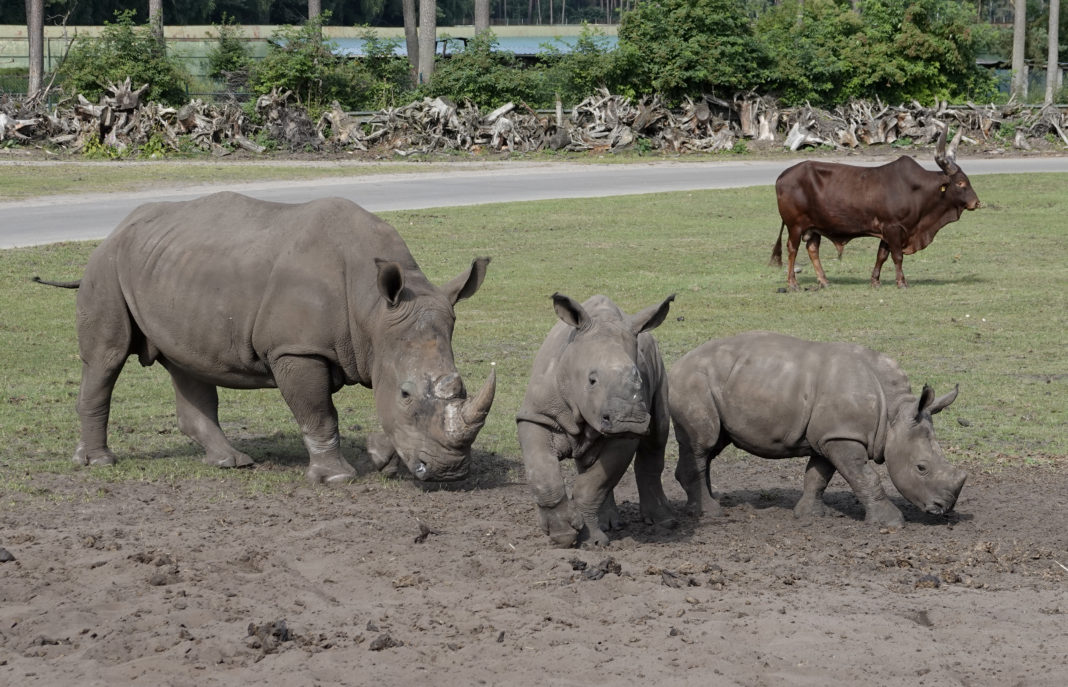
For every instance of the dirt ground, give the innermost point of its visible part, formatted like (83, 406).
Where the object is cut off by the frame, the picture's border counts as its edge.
(389, 583)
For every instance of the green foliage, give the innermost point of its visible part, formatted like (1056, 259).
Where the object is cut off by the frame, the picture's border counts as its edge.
(230, 55)
(300, 60)
(123, 50)
(685, 47)
(488, 77)
(591, 63)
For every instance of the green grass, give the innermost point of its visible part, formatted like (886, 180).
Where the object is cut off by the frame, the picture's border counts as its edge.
(987, 308)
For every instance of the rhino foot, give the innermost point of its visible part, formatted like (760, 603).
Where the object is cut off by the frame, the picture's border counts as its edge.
(562, 523)
(884, 513)
(608, 516)
(330, 474)
(593, 538)
(230, 459)
(810, 509)
(102, 456)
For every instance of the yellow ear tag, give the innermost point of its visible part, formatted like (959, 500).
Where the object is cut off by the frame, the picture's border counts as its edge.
(943, 189)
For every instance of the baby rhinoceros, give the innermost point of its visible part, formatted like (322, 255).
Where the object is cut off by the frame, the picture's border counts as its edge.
(597, 394)
(840, 404)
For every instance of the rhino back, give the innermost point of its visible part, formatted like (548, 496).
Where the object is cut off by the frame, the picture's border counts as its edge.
(778, 396)
(220, 283)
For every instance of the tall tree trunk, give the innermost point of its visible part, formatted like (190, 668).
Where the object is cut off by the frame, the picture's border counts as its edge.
(411, 37)
(482, 15)
(35, 34)
(1052, 68)
(315, 8)
(428, 33)
(155, 21)
(1019, 36)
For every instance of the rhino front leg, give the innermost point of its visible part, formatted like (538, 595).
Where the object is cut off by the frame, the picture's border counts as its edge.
(198, 418)
(818, 474)
(557, 514)
(692, 473)
(593, 486)
(648, 468)
(305, 385)
(851, 459)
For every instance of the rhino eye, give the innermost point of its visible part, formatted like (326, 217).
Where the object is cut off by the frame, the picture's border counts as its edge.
(593, 379)
(922, 468)
(407, 390)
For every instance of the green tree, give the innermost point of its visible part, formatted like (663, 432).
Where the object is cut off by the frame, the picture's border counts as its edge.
(591, 62)
(123, 50)
(685, 47)
(230, 55)
(488, 77)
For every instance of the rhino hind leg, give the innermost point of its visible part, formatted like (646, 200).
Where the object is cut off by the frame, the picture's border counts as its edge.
(818, 474)
(851, 459)
(94, 410)
(197, 405)
(305, 383)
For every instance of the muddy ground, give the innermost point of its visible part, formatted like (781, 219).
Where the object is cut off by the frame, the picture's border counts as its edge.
(386, 583)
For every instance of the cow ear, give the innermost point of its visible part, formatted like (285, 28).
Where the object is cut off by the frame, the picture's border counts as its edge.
(465, 285)
(390, 280)
(570, 312)
(652, 317)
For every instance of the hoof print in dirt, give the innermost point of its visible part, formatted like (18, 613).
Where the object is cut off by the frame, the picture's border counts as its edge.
(268, 636)
(384, 641)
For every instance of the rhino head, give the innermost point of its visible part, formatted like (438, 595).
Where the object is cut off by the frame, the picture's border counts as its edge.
(428, 420)
(598, 371)
(915, 461)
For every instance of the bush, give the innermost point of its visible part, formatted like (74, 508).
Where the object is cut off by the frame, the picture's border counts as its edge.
(682, 48)
(230, 58)
(488, 77)
(591, 63)
(123, 50)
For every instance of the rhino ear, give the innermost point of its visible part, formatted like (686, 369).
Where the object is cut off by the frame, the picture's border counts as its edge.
(940, 404)
(390, 280)
(465, 285)
(570, 312)
(652, 317)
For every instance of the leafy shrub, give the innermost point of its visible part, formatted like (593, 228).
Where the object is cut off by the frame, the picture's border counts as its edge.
(591, 63)
(487, 76)
(229, 59)
(123, 50)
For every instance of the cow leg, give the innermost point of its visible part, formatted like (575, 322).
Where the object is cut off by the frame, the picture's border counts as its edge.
(691, 472)
(593, 485)
(880, 258)
(813, 247)
(94, 410)
(793, 242)
(305, 385)
(198, 417)
(898, 256)
(557, 514)
(851, 459)
(818, 474)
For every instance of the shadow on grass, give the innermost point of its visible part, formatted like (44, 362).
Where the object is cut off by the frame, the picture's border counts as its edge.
(888, 282)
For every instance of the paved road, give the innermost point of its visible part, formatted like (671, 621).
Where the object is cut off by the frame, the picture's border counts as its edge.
(73, 218)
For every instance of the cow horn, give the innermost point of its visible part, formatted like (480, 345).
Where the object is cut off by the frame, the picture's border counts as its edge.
(947, 159)
(476, 409)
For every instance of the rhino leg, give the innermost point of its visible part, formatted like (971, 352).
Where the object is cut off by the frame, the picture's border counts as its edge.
(94, 410)
(198, 418)
(608, 517)
(383, 455)
(557, 514)
(818, 474)
(692, 470)
(305, 386)
(851, 459)
(593, 485)
(648, 468)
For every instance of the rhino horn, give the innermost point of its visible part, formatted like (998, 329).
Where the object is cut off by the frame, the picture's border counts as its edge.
(476, 408)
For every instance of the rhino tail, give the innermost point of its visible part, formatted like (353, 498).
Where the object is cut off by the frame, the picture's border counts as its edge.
(776, 251)
(61, 284)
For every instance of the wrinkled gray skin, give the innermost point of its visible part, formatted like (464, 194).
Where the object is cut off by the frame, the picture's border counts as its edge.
(842, 405)
(597, 394)
(231, 291)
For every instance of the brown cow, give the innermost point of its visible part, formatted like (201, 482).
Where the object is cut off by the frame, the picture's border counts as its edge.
(900, 203)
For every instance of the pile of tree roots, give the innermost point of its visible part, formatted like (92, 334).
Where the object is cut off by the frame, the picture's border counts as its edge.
(602, 122)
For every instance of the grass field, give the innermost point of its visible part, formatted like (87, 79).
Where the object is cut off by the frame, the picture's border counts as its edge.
(988, 309)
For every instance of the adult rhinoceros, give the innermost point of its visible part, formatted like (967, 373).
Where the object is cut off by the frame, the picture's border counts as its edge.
(232, 291)
(597, 394)
(841, 404)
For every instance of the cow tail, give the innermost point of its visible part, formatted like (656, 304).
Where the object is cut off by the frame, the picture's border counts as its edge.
(61, 284)
(776, 252)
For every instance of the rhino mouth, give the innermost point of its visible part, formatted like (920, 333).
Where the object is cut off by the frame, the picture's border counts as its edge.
(426, 468)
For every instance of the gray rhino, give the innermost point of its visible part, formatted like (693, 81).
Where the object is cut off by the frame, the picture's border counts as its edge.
(597, 394)
(232, 291)
(840, 404)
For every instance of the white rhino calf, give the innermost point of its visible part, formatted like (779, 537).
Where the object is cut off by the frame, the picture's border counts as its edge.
(841, 404)
(231, 291)
(597, 394)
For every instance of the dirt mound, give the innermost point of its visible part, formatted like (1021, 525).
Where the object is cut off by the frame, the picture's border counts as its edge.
(385, 583)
